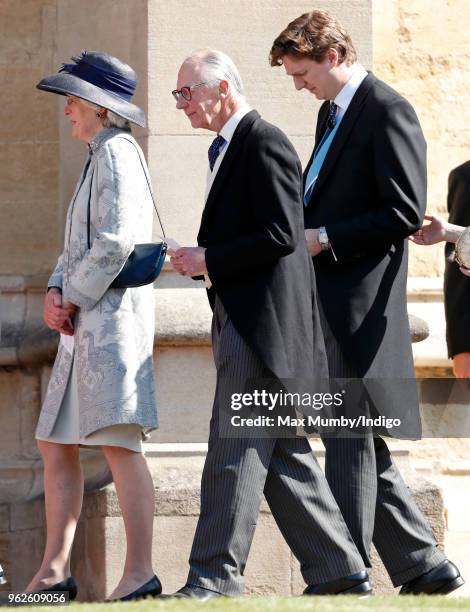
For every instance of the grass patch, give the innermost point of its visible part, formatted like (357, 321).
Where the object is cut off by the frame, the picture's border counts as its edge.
(278, 604)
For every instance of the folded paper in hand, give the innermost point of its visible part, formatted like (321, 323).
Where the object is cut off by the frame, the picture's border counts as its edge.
(68, 342)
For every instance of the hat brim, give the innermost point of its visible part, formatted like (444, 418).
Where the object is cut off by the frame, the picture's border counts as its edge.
(66, 84)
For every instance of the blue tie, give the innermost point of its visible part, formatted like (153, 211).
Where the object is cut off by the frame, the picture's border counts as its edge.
(321, 151)
(214, 150)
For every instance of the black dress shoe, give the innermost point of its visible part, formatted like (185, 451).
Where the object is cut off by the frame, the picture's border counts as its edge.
(356, 584)
(69, 585)
(441, 580)
(152, 588)
(194, 592)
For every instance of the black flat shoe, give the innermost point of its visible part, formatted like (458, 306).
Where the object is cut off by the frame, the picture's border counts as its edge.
(356, 584)
(441, 580)
(194, 592)
(152, 588)
(69, 585)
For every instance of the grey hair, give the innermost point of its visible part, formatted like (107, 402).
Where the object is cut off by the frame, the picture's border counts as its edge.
(111, 120)
(218, 66)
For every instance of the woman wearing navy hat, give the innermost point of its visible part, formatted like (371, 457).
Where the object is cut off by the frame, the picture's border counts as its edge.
(101, 391)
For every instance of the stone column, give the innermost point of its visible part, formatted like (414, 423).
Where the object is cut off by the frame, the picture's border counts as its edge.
(39, 170)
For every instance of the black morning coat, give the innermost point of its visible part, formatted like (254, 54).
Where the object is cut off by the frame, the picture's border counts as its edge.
(456, 284)
(370, 195)
(256, 254)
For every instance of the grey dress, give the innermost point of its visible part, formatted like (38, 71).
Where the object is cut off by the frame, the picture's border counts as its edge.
(107, 380)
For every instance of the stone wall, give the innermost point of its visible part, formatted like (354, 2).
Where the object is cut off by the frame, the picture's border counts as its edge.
(421, 48)
(39, 161)
(245, 30)
(29, 160)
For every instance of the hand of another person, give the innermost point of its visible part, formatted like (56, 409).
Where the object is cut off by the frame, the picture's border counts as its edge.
(461, 365)
(313, 246)
(465, 271)
(432, 233)
(189, 261)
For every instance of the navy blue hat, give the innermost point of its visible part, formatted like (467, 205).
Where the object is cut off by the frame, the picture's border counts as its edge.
(99, 78)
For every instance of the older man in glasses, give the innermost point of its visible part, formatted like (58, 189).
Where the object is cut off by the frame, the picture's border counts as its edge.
(253, 252)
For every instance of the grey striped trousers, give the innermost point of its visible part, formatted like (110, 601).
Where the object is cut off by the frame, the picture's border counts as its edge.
(236, 474)
(374, 500)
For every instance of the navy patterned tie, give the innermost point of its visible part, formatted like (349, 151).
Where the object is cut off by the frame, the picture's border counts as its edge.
(331, 122)
(214, 150)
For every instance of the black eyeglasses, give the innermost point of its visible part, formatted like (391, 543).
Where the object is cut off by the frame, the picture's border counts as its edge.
(185, 92)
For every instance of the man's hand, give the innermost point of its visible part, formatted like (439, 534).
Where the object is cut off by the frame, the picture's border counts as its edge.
(59, 315)
(313, 246)
(462, 365)
(189, 261)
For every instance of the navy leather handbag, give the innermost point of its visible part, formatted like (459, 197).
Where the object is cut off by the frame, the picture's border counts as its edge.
(145, 262)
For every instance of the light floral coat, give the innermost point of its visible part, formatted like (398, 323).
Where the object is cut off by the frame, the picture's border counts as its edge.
(114, 328)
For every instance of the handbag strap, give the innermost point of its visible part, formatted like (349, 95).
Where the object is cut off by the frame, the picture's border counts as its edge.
(147, 178)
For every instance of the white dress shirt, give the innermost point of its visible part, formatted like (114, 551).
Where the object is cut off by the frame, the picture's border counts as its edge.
(226, 132)
(343, 99)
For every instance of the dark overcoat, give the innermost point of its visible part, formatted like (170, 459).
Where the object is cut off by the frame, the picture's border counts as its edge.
(370, 195)
(256, 255)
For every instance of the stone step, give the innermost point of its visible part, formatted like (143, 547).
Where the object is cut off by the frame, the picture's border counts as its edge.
(99, 547)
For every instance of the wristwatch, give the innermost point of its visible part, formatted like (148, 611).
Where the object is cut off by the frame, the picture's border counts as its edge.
(323, 238)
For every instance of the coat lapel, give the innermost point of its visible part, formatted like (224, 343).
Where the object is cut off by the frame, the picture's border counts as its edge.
(321, 124)
(235, 143)
(320, 129)
(344, 130)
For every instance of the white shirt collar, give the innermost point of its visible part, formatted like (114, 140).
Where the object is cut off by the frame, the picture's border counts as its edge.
(343, 99)
(226, 132)
(230, 126)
